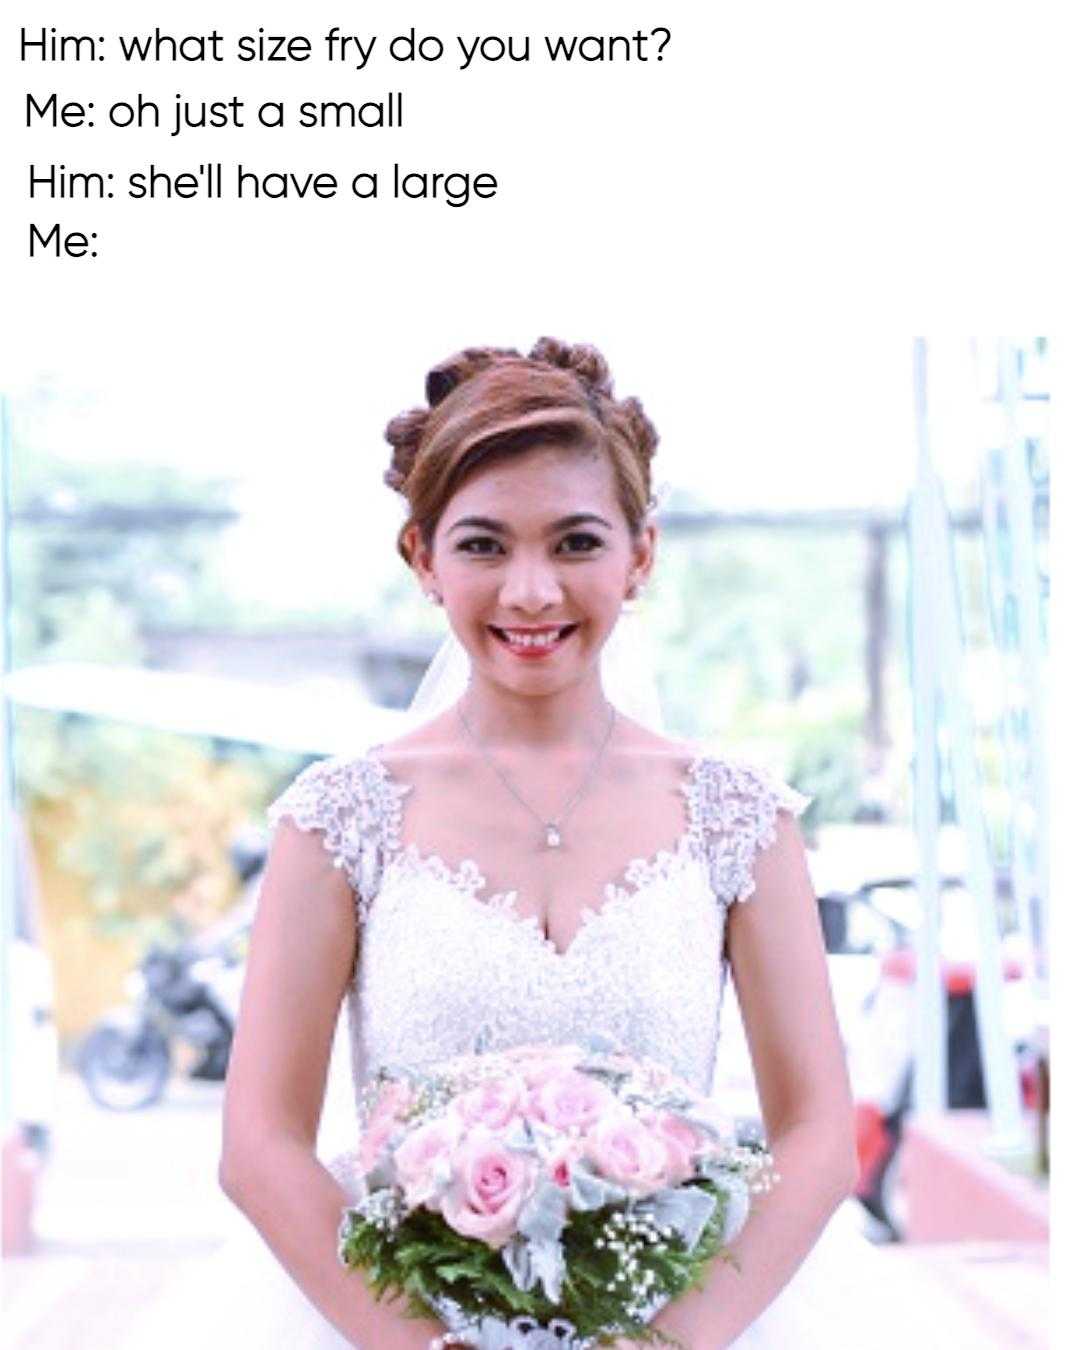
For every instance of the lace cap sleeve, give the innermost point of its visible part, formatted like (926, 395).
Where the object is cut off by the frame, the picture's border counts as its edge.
(357, 811)
(734, 805)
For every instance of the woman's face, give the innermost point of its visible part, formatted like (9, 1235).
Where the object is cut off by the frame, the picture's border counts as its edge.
(533, 560)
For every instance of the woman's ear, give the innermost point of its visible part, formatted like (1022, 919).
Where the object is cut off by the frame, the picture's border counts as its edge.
(419, 558)
(644, 554)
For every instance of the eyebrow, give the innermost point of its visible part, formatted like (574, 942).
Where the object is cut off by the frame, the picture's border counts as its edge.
(563, 523)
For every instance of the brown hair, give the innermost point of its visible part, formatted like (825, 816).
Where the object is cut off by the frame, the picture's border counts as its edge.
(486, 403)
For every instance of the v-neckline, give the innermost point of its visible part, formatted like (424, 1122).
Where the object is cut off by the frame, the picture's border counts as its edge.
(467, 878)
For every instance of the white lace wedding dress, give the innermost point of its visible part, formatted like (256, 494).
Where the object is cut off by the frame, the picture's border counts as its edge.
(439, 966)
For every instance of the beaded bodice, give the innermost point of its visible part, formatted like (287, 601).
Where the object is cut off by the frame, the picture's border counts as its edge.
(441, 971)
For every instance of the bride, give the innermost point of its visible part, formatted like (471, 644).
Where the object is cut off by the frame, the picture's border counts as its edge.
(531, 861)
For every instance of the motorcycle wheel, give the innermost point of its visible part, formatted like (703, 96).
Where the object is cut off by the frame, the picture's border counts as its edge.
(893, 1200)
(884, 1202)
(125, 1070)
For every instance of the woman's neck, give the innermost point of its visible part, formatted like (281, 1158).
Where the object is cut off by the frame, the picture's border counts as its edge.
(571, 719)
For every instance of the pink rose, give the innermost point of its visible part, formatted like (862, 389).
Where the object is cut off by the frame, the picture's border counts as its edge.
(423, 1160)
(568, 1100)
(560, 1160)
(394, 1100)
(494, 1103)
(681, 1142)
(627, 1152)
(491, 1183)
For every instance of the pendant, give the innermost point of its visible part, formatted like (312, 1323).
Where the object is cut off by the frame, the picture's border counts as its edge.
(552, 836)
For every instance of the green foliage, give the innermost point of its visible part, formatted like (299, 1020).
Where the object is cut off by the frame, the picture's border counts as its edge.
(140, 814)
(760, 643)
(423, 1259)
(739, 619)
(818, 740)
(65, 560)
(144, 814)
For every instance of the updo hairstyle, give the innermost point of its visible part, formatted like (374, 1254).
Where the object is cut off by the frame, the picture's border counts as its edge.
(489, 403)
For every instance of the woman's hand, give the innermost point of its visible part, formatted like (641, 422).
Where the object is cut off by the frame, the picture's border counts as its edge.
(623, 1344)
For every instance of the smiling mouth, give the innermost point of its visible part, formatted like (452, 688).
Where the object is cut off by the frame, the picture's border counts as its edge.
(536, 640)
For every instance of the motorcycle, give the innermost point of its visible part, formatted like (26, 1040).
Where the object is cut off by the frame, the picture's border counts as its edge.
(881, 1055)
(189, 994)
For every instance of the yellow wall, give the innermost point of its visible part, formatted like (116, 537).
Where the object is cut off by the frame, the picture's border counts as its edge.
(89, 965)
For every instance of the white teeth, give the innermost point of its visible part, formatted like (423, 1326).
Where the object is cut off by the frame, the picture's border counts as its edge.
(533, 640)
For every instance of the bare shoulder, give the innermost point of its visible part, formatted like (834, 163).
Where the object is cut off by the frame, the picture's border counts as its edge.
(640, 740)
(437, 741)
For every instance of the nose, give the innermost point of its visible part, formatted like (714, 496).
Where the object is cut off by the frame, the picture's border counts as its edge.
(530, 586)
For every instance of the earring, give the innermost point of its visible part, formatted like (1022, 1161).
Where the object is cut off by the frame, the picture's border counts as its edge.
(434, 597)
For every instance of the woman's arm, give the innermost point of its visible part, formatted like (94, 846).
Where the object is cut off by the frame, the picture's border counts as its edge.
(300, 959)
(781, 978)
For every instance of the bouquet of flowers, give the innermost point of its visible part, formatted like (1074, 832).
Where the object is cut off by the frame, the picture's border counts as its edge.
(567, 1191)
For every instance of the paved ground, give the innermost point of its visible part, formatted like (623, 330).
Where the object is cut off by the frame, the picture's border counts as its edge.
(130, 1203)
(124, 1201)
(983, 1294)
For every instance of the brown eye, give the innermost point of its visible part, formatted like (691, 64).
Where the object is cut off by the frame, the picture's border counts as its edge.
(591, 542)
(466, 545)
(485, 545)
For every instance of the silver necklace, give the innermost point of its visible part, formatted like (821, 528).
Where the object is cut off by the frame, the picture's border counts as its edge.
(552, 831)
